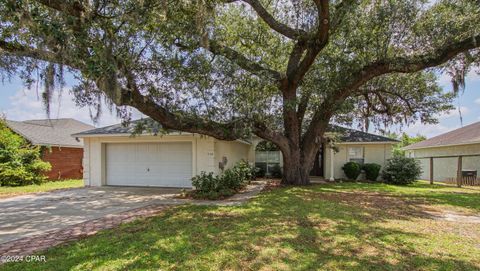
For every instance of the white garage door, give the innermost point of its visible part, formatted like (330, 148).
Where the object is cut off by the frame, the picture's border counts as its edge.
(149, 164)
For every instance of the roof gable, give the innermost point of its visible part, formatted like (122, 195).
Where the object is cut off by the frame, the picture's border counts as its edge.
(50, 132)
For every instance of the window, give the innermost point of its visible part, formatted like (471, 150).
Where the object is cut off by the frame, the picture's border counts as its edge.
(267, 160)
(355, 154)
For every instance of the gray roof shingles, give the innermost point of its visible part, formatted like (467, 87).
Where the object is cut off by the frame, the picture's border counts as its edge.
(50, 132)
(346, 134)
(356, 136)
(466, 135)
(121, 128)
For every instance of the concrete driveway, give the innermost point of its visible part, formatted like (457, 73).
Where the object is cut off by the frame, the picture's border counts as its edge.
(30, 215)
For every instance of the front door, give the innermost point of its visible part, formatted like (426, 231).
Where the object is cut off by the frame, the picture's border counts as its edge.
(317, 169)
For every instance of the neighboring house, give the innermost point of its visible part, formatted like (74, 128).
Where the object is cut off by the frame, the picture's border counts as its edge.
(112, 156)
(59, 148)
(443, 151)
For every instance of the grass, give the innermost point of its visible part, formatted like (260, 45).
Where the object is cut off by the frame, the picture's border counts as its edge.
(6, 191)
(345, 226)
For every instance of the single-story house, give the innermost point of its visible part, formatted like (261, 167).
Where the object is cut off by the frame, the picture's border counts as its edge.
(349, 145)
(59, 148)
(443, 152)
(113, 156)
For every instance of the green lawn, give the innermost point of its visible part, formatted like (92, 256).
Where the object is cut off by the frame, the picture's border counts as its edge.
(6, 191)
(345, 226)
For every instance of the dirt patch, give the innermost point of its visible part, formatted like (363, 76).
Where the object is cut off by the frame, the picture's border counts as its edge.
(381, 205)
(455, 217)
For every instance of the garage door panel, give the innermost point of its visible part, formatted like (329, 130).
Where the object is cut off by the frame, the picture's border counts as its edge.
(149, 164)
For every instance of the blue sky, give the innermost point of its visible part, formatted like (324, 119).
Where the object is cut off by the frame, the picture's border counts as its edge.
(18, 103)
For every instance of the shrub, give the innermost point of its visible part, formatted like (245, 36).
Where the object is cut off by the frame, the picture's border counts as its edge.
(401, 170)
(352, 170)
(245, 170)
(209, 186)
(205, 182)
(232, 178)
(259, 172)
(372, 171)
(277, 171)
(20, 163)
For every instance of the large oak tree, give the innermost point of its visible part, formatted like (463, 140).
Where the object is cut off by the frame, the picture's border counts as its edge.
(280, 69)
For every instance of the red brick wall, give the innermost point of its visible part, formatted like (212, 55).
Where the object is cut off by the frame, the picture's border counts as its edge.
(66, 162)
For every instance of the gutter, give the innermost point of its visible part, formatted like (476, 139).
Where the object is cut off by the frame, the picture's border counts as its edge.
(409, 148)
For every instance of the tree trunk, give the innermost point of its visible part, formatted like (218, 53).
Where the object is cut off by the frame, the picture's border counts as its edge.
(296, 171)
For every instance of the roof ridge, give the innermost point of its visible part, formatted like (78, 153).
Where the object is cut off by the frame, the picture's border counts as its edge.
(445, 138)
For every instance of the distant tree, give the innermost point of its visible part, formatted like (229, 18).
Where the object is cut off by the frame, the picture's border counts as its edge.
(20, 162)
(283, 70)
(405, 140)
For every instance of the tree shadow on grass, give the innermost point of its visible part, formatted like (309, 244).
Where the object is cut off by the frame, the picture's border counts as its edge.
(424, 193)
(285, 229)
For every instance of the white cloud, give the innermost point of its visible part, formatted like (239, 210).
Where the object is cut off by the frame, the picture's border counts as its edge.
(429, 130)
(445, 80)
(477, 101)
(454, 113)
(26, 104)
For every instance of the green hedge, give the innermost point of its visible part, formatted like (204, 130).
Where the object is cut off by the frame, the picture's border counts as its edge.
(20, 162)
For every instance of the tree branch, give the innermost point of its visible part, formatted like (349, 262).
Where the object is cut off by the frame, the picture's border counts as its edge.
(75, 8)
(279, 27)
(169, 120)
(314, 45)
(261, 130)
(407, 64)
(217, 48)
(303, 105)
(242, 61)
(19, 50)
(340, 11)
(403, 64)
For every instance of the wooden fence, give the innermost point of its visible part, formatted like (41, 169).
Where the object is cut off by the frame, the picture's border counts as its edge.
(466, 180)
(459, 179)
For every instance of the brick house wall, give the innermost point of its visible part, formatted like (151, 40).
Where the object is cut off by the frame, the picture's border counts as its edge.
(66, 162)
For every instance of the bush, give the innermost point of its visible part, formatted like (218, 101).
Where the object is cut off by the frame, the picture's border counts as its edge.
(232, 178)
(245, 170)
(259, 172)
(401, 170)
(352, 170)
(20, 162)
(209, 186)
(372, 171)
(277, 171)
(205, 182)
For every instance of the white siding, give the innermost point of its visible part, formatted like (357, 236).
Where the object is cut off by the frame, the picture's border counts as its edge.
(446, 167)
(86, 162)
(234, 151)
(373, 153)
(205, 153)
